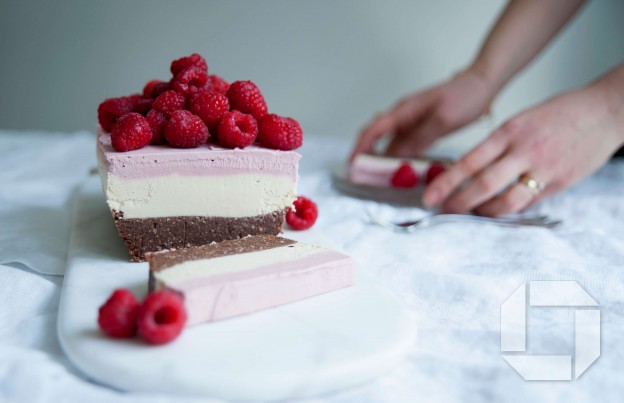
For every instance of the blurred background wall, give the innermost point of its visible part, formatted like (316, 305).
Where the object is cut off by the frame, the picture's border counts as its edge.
(330, 64)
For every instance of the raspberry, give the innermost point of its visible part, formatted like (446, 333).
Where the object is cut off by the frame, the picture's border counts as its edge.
(113, 108)
(305, 214)
(143, 105)
(194, 60)
(131, 132)
(279, 132)
(159, 88)
(161, 317)
(185, 130)
(245, 96)
(189, 81)
(216, 84)
(149, 87)
(209, 106)
(237, 129)
(169, 102)
(405, 177)
(157, 122)
(117, 317)
(435, 169)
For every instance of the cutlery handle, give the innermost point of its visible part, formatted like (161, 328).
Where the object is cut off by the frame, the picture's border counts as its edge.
(537, 221)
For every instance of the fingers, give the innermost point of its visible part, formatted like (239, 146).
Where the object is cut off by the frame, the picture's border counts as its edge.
(382, 125)
(486, 185)
(514, 199)
(415, 142)
(538, 198)
(550, 189)
(469, 165)
(406, 112)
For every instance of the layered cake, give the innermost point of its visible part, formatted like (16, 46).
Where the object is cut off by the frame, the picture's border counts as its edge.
(163, 198)
(195, 160)
(236, 277)
(377, 170)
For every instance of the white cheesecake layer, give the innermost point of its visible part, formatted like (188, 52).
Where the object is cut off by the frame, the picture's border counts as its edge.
(235, 263)
(161, 181)
(239, 195)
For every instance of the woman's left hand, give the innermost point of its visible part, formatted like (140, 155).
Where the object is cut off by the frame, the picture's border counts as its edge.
(556, 143)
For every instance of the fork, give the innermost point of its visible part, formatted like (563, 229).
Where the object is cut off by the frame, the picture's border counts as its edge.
(434, 219)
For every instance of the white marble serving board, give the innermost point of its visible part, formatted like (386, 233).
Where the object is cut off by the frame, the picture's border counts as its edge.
(311, 347)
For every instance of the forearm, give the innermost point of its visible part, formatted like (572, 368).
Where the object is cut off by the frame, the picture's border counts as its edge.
(522, 30)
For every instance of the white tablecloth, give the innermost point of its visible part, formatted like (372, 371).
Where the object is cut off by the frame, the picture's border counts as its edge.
(452, 277)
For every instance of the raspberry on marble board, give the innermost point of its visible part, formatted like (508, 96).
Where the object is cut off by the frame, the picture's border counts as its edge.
(117, 316)
(161, 317)
(304, 215)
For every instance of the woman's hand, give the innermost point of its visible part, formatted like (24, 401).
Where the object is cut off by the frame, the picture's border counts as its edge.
(418, 120)
(558, 143)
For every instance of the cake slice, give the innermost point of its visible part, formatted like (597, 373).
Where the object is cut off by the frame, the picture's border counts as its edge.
(163, 197)
(377, 170)
(236, 277)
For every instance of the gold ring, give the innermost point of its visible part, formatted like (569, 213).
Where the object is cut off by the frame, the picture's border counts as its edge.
(531, 183)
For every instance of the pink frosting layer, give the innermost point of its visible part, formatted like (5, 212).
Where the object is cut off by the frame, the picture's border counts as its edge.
(373, 178)
(208, 159)
(219, 297)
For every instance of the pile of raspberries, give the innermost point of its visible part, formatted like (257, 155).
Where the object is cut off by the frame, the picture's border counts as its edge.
(192, 108)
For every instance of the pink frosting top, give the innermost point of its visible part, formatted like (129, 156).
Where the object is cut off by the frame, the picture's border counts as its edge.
(207, 159)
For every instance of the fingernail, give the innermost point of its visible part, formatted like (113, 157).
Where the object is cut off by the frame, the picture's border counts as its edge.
(432, 197)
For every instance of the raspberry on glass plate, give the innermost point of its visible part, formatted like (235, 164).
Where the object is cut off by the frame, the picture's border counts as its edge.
(399, 181)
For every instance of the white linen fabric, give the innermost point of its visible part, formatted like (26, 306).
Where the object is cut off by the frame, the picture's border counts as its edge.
(452, 277)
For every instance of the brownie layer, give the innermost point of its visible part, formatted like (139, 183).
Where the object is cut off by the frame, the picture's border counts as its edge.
(142, 235)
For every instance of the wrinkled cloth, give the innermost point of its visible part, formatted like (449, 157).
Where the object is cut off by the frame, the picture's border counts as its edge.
(453, 279)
